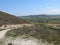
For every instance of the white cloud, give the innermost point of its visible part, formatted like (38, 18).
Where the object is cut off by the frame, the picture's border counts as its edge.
(50, 10)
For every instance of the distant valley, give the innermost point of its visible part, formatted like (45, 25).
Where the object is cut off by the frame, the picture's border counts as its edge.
(42, 18)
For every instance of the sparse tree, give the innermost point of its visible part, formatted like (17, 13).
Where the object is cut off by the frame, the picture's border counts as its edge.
(9, 43)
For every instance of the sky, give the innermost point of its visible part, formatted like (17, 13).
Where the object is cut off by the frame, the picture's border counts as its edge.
(30, 7)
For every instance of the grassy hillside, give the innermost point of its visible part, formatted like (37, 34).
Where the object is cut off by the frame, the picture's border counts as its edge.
(6, 18)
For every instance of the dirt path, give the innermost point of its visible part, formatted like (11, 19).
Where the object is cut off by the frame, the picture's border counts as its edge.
(3, 32)
(30, 41)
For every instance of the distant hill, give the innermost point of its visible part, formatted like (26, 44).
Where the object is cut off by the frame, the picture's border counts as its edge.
(6, 18)
(41, 17)
(36, 18)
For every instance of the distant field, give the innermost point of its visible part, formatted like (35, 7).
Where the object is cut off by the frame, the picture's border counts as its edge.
(54, 21)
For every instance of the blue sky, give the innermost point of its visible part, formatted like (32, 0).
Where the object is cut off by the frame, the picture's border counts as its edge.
(30, 7)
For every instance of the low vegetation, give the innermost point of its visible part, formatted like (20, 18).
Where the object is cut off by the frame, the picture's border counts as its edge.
(38, 31)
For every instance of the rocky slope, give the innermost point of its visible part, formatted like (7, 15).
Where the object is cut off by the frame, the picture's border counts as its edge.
(6, 18)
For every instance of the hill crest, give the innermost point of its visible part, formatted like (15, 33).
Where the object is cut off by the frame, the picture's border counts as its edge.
(6, 18)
